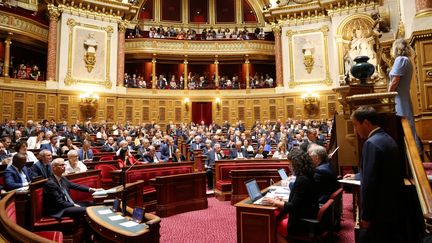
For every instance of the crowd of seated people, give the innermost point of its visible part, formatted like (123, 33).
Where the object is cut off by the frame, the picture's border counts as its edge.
(261, 81)
(191, 34)
(24, 71)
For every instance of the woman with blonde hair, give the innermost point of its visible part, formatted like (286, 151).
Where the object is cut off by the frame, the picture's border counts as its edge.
(400, 81)
(281, 152)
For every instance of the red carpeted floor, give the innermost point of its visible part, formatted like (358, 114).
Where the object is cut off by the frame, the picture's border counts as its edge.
(217, 223)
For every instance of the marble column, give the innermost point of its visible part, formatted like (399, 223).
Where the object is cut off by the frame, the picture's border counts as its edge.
(216, 74)
(423, 7)
(154, 72)
(278, 55)
(247, 64)
(121, 53)
(8, 43)
(54, 15)
(185, 73)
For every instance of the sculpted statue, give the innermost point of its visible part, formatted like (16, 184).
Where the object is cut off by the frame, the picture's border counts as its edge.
(360, 45)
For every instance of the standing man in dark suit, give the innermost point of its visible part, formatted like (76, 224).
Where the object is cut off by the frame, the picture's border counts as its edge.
(213, 155)
(325, 177)
(17, 175)
(381, 181)
(42, 168)
(238, 152)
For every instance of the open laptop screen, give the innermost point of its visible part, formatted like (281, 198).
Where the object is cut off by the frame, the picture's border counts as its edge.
(253, 190)
(282, 174)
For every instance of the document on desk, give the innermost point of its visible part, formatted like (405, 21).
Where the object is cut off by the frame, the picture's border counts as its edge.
(129, 224)
(116, 217)
(350, 181)
(105, 211)
(104, 192)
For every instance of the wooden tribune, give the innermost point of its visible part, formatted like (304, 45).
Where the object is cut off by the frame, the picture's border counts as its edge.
(180, 193)
(255, 223)
(264, 178)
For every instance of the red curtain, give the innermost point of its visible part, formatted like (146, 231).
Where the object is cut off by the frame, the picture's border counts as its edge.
(202, 111)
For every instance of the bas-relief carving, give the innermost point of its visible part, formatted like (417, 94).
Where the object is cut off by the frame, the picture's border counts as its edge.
(79, 69)
(308, 55)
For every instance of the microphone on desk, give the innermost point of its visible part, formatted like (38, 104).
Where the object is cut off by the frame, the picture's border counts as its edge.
(124, 170)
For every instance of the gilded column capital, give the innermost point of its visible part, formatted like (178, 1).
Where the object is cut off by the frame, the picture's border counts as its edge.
(276, 29)
(122, 25)
(53, 13)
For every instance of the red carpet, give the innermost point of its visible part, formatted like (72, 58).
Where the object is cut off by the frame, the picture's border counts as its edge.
(217, 223)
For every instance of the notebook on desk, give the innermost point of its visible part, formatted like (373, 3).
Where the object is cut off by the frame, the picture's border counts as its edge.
(254, 192)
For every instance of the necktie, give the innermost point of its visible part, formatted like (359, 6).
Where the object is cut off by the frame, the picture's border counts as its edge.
(47, 171)
(85, 155)
(217, 157)
(66, 193)
(170, 151)
(239, 154)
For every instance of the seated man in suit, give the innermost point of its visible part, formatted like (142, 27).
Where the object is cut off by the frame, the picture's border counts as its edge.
(110, 145)
(42, 167)
(85, 153)
(17, 175)
(238, 152)
(325, 177)
(312, 137)
(167, 150)
(52, 146)
(56, 195)
(152, 156)
(213, 155)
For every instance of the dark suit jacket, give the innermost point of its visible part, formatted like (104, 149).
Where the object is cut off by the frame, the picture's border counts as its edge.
(302, 203)
(210, 160)
(233, 153)
(182, 158)
(326, 181)
(12, 178)
(381, 180)
(108, 148)
(38, 169)
(54, 198)
(164, 150)
(149, 159)
(48, 146)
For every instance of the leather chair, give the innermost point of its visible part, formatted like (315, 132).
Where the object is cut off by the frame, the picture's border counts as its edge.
(106, 180)
(15, 233)
(40, 222)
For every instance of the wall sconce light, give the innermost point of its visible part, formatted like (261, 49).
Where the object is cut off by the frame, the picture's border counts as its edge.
(186, 103)
(88, 104)
(218, 103)
(311, 103)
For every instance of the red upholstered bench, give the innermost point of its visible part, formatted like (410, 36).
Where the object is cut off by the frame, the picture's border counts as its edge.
(223, 178)
(15, 232)
(90, 178)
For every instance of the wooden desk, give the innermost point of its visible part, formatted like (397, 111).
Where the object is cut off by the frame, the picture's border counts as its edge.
(239, 177)
(180, 193)
(113, 231)
(255, 223)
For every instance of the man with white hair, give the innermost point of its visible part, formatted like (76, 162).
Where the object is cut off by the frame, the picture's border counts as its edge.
(238, 152)
(42, 167)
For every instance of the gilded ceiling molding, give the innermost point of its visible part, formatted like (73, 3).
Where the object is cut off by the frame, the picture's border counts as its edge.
(20, 25)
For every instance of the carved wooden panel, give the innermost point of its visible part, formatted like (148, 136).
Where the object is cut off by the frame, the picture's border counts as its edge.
(40, 111)
(428, 96)
(241, 113)
(289, 100)
(290, 111)
(426, 50)
(146, 114)
(257, 113)
(331, 98)
(256, 102)
(129, 102)
(64, 110)
(19, 110)
(110, 101)
(129, 113)
(177, 114)
(7, 98)
(272, 111)
(161, 102)
(331, 109)
(241, 102)
(225, 114)
(272, 101)
(162, 114)
(64, 99)
(19, 96)
(41, 97)
(146, 102)
(110, 113)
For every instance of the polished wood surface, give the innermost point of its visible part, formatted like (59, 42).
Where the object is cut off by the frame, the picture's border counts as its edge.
(264, 178)
(180, 193)
(255, 223)
(112, 232)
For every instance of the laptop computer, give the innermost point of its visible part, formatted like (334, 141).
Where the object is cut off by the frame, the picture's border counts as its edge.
(282, 174)
(254, 192)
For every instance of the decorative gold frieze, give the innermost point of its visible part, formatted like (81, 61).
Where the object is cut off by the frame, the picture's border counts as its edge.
(21, 25)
